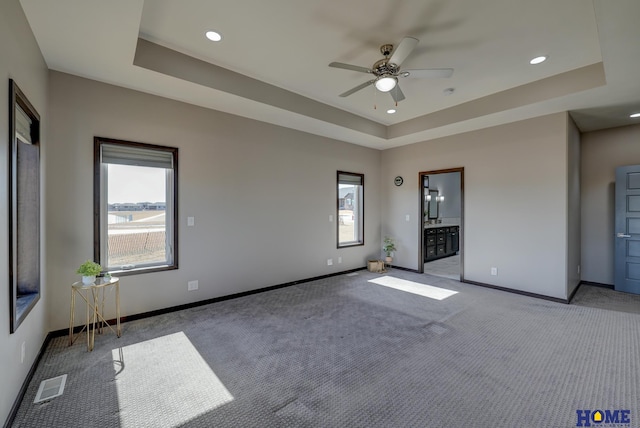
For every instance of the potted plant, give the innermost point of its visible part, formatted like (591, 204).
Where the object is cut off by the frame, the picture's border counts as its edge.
(89, 270)
(388, 247)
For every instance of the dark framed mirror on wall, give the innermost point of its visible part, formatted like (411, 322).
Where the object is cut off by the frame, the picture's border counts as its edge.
(24, 205)
(433, 204)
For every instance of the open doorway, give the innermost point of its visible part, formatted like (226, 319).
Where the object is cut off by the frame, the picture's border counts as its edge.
(441, 228)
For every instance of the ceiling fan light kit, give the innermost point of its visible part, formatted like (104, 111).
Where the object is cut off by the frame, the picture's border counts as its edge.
(387, 70)
(386, 83)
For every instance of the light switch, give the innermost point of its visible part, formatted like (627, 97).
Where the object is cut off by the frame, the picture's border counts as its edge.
(330, 218)
(191, 221)
(407, 217)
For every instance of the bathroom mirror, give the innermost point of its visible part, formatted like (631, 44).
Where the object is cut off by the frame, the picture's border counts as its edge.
(433, 204)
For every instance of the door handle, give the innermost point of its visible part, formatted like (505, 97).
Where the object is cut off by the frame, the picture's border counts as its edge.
(622, 235)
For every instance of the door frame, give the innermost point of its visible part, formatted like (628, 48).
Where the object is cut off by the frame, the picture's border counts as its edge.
(421, 216)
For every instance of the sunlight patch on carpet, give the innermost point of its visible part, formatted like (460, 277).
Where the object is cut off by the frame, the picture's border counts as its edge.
(165, 382)
(425, 290)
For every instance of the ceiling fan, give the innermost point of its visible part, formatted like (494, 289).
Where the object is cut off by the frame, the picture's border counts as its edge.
(387, 70)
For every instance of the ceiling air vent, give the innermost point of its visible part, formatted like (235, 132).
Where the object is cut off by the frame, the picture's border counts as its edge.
(50, 388)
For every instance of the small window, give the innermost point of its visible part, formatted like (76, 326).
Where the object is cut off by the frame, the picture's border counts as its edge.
(136, 204)
(350, 209)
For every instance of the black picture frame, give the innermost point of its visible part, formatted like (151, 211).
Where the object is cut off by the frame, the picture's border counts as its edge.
(24, 208)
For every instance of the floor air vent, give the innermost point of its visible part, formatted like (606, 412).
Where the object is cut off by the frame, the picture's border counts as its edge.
(50, 388)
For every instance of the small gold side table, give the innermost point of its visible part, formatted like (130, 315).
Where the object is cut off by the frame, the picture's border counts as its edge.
(94, 297)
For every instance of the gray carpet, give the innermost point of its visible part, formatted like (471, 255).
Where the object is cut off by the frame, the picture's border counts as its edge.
(345, 352)
(607, 298)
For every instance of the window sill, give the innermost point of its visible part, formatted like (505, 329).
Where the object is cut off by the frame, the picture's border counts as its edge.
(141, 270)
(351, 244)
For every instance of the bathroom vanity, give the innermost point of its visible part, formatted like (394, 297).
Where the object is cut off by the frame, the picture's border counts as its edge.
(440, 241)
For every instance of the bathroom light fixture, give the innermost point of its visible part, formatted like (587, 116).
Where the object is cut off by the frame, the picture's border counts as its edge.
(386, 83)
(538, 60)
(439, 198)
(634, 115)
(428, 198)
(214, 36)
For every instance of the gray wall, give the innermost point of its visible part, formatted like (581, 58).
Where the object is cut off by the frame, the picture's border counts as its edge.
(602, 152)
(261, 196)
(573, 207)
(515, 201)
(20, 59)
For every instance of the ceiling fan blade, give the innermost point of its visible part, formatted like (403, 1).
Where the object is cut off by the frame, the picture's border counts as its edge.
(397, 94)
(350, 67)
(357, 88)
(427, 72)
(403, 50)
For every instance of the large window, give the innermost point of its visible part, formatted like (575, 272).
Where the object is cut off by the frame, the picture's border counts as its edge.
(136, 205)
(24, 205)
(350, 209)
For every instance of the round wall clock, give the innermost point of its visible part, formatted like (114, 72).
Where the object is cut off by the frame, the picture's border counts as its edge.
(398, 181)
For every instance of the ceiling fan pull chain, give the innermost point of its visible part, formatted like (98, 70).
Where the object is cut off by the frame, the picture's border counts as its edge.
(375, 98)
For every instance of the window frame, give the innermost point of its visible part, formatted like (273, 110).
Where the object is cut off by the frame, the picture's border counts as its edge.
(100, 205)
(18, 100)
(360, 222)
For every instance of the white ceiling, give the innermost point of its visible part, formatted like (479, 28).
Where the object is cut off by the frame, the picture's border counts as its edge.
(272, 64)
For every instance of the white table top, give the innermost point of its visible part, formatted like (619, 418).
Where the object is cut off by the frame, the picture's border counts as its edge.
(100, 282)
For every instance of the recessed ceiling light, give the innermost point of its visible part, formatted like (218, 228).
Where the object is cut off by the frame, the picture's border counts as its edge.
(634, 115)
(538, 60)
(391, 111)
(213, 36)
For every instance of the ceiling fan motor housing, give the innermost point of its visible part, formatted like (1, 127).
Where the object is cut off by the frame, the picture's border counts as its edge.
(383, 67)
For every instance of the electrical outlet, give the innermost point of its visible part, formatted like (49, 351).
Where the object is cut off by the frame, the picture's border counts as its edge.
(329, 262)
(494, 271)
(192, 285)
(23, 351)
(339, 260)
